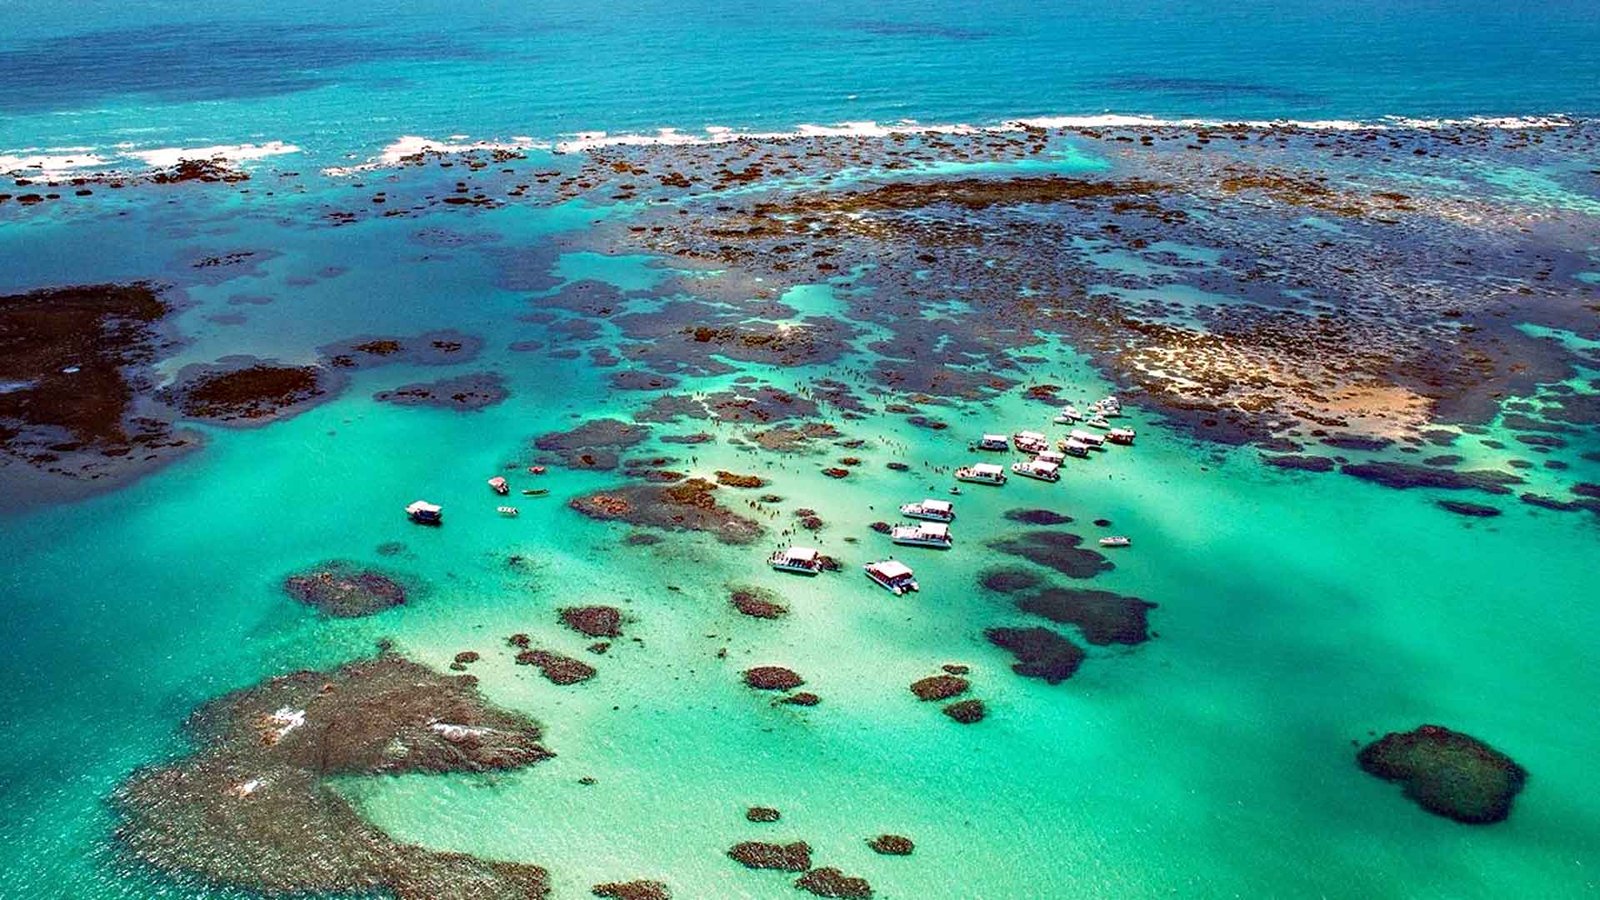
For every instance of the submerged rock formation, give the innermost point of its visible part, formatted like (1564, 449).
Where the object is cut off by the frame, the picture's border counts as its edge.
(632, 890)
(556, 667)
(345, 589)
(830, 882)
(793, 857)
(1055, 550)
(1040, 652)
(967, 712)
(465, 393)
(757, 603)
(1447, 773)
(593, 621)
(249, 808)
(939, 687)
(772, 678)
(685, 506)
(244, 391)
(891, 845)
(592, 445)
(1104, 617)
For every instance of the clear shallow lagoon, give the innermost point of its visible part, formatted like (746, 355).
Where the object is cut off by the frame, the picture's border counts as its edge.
(1298, 612)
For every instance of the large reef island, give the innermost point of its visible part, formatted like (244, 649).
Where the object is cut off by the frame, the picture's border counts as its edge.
(250, 807)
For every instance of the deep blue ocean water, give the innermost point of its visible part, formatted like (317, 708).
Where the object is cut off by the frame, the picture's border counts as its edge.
(349, 77)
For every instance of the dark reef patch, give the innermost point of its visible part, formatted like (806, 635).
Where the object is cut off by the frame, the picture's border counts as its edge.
(762, 814)
(593, 621)
(556, 667)
(1039, 652)
(249, 807)
(757, 602)
(1299, 463)
(939, 687)
(1037, 516)
(772, 678)
(345, 589)
(474, 391)
(891, 845)
(1404, 475)
(1104, 617)
(245, 391)
(75, 385)
(632, 890)
(1473, 510)
(830, 882)
(1009, 579)
(1057, 551)
(792, 857)
(592, 445)
(685, 506)
(431, 348)
(967, 712)
(1447, 773)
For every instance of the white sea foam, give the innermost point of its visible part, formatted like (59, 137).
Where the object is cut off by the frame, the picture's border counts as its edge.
(409, 145)
(30, 163)
(166, 157)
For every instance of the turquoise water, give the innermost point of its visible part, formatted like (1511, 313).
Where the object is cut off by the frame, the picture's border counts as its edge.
(1298, 613)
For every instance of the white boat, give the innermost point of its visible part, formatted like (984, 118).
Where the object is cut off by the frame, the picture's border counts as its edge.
(1029, 442)
(894, 576)
(1115, 541)
(1122, 436)
(982, 473)
(1050, 456)
(923, 534)
(800, 560)
(1110, 407)
(1087, 437)
(499, 486)
(1073, 447)
(932, 510)
(992, 442)
(1097, 421)
(1068, 415)
(509, 512)
(424, 513)
(1038, 468)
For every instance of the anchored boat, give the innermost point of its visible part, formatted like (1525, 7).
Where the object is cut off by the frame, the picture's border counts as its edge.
(892, 575)
(499, 486)
(923, 534)
(1068, 415)
(992, 442)
(1115, 541)
(1073, 447)
(1123, 436)
(1087, 437)
(1029, 442)
(509, 512)
(800, 560)
(932, 510)
(982, 473)
(424, 513)
(1044, 470)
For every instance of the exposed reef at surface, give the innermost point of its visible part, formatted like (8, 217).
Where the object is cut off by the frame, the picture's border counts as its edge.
(345, 589)
(475, 391)
(249, 807)
(245, 391)
(685, 506)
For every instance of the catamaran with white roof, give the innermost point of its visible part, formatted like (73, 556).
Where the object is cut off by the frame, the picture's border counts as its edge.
(894, 576)
(1086, 437)
(1029, 442)
(932, 510)
(1073, 447)
(923, 534)
(800, 560)
(982, 473)
(424, 513)
(992, 442)
(1123, 436)
(1038, 468)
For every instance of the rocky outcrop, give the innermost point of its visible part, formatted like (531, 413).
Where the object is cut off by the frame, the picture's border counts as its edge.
(1447, 773)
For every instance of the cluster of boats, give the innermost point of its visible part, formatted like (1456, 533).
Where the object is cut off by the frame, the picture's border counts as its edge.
(424, 513)
(1046, 461)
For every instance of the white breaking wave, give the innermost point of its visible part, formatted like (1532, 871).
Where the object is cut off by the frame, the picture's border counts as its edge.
(65, 162)
(410, 145)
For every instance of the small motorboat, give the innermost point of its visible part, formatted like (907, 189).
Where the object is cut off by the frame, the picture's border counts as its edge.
(1068, 415)
(424, 513)
(800, 560)
(982, 473)
(499, 486)
(932, 510)
(1116, 541)
(894, 576)
(509, 512)
(1097, 421)
(535, 492)
(537, 470)
(923, 534)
